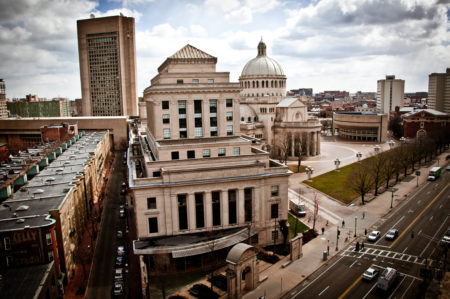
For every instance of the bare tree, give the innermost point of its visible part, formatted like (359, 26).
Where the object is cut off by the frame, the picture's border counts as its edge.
(283, 146)
(390, 166)
(300, 147)
(360, 179)
(377, 164)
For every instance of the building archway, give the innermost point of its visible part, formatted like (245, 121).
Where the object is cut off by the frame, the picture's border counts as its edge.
(242, 272)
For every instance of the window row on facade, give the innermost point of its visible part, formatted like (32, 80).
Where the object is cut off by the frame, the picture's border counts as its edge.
(219, 217)
(263, 84)
(205, 153)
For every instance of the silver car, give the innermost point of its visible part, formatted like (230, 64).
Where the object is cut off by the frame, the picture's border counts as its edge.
(370, 273)
(391, 234)
(374, 235)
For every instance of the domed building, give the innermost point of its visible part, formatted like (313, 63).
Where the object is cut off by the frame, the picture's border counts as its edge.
(264, 110)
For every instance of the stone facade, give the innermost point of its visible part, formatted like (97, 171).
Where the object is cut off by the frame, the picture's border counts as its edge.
(361, 126)
(439, 91)
(427, 122)
(198, 187)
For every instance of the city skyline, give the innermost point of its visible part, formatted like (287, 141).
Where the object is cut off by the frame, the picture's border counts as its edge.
(324, 45)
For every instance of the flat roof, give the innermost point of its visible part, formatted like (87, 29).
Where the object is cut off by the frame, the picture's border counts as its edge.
(30, 205)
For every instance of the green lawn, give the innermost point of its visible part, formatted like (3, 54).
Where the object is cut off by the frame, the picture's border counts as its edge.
(334, 183)
(300, 226)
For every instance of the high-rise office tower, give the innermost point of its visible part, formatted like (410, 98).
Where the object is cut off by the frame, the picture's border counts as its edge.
(390, 94)
(107, 52)
(3, 111)
(439, 91)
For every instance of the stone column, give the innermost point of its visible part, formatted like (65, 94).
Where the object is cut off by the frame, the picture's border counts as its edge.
(314, 143)
(190, 118)
(308, 143)
(208, 210)
(258, 201)
(191, 211)
(293, 146)
(224, 207)
(318, 144)
(240, 204)
(172, 215)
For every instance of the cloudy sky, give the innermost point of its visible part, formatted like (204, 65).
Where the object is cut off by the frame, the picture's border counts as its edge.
(321, 44)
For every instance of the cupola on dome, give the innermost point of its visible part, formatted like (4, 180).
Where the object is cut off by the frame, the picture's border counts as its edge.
(262, 65)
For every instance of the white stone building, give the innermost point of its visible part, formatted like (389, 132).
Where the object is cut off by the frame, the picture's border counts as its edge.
(198, 187)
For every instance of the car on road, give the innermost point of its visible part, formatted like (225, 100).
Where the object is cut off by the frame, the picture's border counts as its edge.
(447, 168)
(118, 274)
(391, 234)
(119, 234)
(370, 274)
(120, 251)
(122, 213)
(123, 191)
(445, 241)
(374, 235)
(118, 289)
(119, 261)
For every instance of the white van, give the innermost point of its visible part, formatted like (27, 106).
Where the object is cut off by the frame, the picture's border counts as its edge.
(387, 278)
(297, 207)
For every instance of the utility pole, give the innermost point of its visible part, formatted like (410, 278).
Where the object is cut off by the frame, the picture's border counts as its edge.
(337, 238)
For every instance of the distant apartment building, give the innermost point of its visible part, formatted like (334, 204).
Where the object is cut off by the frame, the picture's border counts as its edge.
(390, 94)
(3, 107)
(360, 95)
(439, 91)
(107, 53)
(301, 92)
(33, 107)
(199, 188)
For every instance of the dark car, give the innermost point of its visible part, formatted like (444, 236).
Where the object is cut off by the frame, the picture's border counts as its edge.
(119, 234)
(123, 191)
(391, 234)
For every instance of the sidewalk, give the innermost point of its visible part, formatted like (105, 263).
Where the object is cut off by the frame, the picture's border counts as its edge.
(281, 280)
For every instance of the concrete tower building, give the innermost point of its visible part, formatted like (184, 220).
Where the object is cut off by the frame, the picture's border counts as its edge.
(3, 111)
(107, 53)
(390, 94)
(439, 91)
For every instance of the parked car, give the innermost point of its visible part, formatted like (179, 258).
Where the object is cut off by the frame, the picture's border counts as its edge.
(374, 235)
(118, 289)
(120, 251)
(123, 191)
(119, 234)
(391, 234)
(124, 184)
(122, 213)
(118, 274)
(445, 241)
(119, 261)
(370, 273)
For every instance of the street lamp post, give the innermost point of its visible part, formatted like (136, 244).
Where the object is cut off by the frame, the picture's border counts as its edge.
(377, 149)
(392, 198)
(337, 238)
(356, 219)
(309, 171)
(358, 156)
(391, 143)
(337, 162)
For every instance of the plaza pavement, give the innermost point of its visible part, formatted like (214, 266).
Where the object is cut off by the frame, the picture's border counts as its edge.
(280, 280)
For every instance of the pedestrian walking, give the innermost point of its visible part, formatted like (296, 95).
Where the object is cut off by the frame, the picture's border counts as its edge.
(364, 215)
(365, 231)
(323, 230)
(343, 223)
(357, 246)
(328, 249)
(362, 245)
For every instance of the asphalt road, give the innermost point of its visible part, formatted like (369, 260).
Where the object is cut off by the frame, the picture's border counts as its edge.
(102, 272)
(426, 213)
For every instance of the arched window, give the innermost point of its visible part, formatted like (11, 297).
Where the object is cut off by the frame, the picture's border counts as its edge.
(267, 83)
(276, 84)
(257, 84)
(262, 84)
(253, 84)
(242, 118)
(271, 83)
(249, 119)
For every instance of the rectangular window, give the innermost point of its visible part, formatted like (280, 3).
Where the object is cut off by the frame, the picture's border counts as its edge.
(212, 106)
(232, 219)
(229, 130)
(210, 80)
(7, 242)
(156, 174)
(165, 105)
(182, 212)
(183, 133)
(191, 154)
(175, 155)
(166, 133)
(274, 211)
(229, 102)
(182, 108)
(198, 132)
(195, 81)
(9, 260)
(48, 237)
(199, 211)
(215, 196)
(153, 225)
(221, 152)
(274, 191)
(197, 106)
(206, 153)
(248, 194)
(151, 203)
(237, 151)
(51, 257)
(229, 116)
(179, 81)
(166, 119)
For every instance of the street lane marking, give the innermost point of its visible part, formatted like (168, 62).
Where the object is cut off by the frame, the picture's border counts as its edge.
(324, 290)
(404, 250)
(431, 218)
(397, 287)
(319, 276)
(353, 263)
(370, 291)
(420, 215)
(420, 231)
(407, 288)
(351, 287)
(434, 236)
